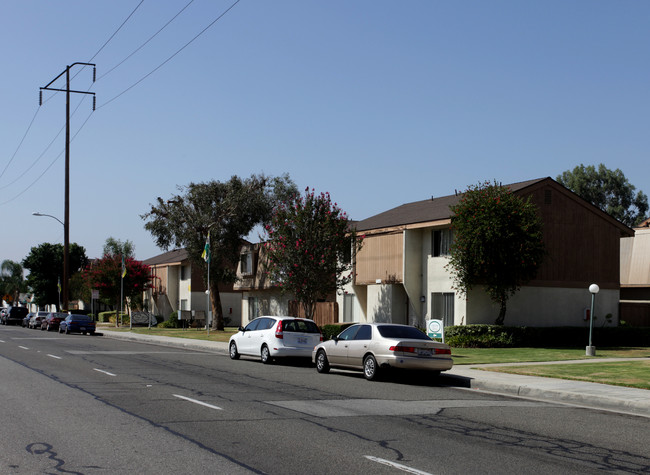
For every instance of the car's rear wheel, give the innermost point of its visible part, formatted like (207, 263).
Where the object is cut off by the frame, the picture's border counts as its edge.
(370, 368)
(266, 355)
(322, 365)
(67, 330)
(234, 354)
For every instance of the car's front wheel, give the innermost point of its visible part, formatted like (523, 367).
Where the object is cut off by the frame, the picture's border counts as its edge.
(322, 365)
(266, 355)
(370, 368)
(234, 354)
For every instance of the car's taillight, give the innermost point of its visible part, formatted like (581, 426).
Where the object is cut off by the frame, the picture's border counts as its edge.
(278, 330)
(442, 351)
(403, 349)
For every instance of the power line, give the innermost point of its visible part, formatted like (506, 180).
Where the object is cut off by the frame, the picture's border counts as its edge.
(44, 151)
(117, 96)
(49, 166)
(37, 110)
(21, 143)
(115, 33)
(172, 56)
(145, 43)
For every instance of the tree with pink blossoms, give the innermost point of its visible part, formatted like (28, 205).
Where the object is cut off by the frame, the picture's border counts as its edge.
(310, 247)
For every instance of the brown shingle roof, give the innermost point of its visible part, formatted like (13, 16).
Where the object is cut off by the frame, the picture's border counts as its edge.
(170, 257)
(424, 211)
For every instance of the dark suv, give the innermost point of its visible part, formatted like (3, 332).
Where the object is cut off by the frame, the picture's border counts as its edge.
(14, 315)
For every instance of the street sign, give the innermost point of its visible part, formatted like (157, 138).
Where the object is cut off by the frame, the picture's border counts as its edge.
(435, 329)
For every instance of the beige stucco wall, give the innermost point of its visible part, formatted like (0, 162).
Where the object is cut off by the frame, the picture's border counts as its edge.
(269, 304)
(545, 307)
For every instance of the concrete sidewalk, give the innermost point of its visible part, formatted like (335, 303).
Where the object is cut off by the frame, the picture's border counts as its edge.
(593, 395)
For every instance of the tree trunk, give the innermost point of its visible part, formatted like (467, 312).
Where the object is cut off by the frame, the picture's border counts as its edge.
(217, 311)
(502, 313)
(309, 308)
(117, 312)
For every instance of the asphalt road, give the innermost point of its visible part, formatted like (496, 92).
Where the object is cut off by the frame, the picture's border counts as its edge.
(81, 404)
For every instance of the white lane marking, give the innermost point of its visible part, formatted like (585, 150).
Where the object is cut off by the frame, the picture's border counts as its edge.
(398, 466)
(2, 341)
(23, 347)
(105, 372)
(197, 402)
(52, 356)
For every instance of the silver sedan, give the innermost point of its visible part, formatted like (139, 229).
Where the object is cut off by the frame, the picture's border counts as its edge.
(372, 347)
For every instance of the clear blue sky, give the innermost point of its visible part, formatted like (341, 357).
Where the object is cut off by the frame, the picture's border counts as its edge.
(378, 102)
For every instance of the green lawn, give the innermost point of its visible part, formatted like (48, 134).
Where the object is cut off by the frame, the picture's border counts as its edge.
(469, 356)
(634, 374)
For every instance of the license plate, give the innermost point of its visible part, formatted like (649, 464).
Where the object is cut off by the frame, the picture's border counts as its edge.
(302, 340)
(424, 352)
(83, 329)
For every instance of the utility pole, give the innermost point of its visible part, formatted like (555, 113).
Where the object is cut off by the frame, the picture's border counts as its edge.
(66, 218)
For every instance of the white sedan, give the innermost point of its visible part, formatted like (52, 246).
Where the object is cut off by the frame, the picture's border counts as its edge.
(372, 347)
(274, 337)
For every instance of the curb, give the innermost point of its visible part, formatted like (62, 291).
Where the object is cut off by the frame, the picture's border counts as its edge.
(593, 395)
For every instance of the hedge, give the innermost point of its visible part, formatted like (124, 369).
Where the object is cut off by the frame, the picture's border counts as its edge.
(494, 336)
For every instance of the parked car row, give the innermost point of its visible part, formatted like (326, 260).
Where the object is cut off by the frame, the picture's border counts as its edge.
(368, 347)
(12, 315)
(50, 321)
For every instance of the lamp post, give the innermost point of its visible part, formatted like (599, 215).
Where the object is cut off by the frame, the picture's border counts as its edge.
(66, 258)
(593, 288)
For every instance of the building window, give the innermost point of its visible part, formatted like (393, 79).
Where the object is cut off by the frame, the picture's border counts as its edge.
(442, 307)
(184, 305)
(441, 240)
(183, 272)
(246, 263)
(348, 308)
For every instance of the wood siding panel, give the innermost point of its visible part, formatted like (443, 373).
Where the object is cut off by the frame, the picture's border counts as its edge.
(380, 258)
(582, 247)
(635, 314)
(325, 313)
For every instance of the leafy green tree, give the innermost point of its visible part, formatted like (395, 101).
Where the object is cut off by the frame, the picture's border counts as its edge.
(229, 211)
(116, 247)
(608, 190)
(45, 265)
(12, 280)
(310, 248)
(497, 242)
(113, 281)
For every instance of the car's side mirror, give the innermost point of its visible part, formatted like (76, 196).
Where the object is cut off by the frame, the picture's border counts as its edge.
(241, 329)
(336, 338)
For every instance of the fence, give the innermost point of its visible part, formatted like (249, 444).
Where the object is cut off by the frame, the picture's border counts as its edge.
(325, 313)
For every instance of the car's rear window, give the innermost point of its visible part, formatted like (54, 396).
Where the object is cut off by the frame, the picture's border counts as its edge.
(81, 318)
(393, 331)
(300, 326)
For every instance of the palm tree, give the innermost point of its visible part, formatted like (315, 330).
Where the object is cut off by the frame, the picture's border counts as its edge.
(12, 281)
